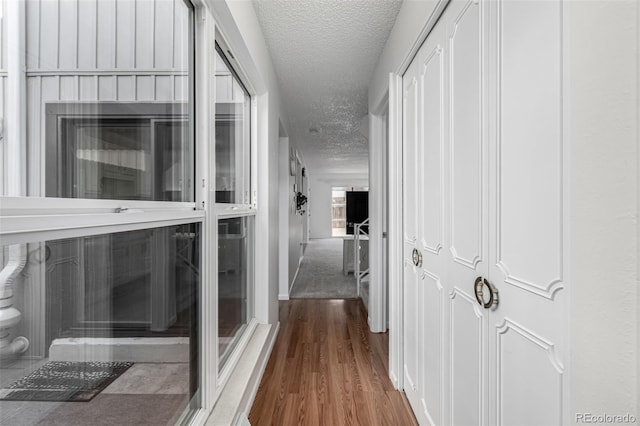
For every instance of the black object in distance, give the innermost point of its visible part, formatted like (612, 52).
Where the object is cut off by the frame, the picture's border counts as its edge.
(357, 210)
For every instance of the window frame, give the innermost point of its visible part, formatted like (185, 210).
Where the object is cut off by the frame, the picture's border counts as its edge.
(234, 210)
(17, 211)
(34, 219)
(27, 219)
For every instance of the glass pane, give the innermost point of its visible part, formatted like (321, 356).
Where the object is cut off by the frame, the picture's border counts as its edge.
(338, 212)
(235, 283)
(109, 99)
(119, 151)
(111, 323)
(232, 136)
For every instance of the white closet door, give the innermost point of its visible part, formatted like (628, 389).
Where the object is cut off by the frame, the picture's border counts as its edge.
(432, 296)
(413, 313)
(484, 190)
(526, 334)
(467, 197)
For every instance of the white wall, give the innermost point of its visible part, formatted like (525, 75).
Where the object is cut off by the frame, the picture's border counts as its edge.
(319, 208)
(410, 21)
(320, 199)
(603, 129)
(295, 227)
(283, 220)
(291, 223)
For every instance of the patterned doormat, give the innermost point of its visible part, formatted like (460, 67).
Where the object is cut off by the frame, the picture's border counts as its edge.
(65, 381)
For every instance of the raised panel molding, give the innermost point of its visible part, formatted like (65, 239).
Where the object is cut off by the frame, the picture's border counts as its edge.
(458, 295)
(537, 342)
(471, 264)
(410, 120)
(547, 291)
(434, 59)
(469, 260)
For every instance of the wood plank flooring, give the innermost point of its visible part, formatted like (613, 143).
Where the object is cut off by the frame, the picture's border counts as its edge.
(326, 368)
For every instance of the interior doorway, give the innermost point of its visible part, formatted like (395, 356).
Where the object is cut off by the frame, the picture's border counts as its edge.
(349, 207)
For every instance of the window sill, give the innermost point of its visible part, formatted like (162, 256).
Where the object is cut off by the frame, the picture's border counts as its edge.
(236, 399)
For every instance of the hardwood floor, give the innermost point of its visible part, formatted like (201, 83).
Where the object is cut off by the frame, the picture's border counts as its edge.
(326, 368)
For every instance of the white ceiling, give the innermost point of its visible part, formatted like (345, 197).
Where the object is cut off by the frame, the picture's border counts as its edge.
(324, 52)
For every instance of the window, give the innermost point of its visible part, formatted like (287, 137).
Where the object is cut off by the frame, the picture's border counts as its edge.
(235, 281)
(233, 106)
(235, 221)
(338, 212)
(101, 250)
(139, 151)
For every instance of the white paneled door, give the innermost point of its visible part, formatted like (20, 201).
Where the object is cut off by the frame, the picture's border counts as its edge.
(484, 306)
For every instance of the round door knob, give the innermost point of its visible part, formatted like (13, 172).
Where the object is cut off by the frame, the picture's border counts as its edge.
(416, 256)
(479, 287)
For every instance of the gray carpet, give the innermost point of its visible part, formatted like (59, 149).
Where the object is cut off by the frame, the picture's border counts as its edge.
(320, 274)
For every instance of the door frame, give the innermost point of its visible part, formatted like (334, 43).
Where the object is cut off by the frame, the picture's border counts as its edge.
(396, 145)
(378, 173)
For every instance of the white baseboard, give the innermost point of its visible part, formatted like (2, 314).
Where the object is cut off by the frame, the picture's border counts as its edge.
(394, 379)
(295, 276)
(283, 297)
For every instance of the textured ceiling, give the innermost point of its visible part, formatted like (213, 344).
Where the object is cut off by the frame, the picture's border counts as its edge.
(324, 52)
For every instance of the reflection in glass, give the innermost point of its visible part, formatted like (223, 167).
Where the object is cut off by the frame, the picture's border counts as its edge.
(235, 283)
(232, 136)
(119, 152)
(98, 302)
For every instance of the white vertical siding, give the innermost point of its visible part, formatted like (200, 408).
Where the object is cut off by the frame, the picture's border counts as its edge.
(3, 144)
(125, 34)
(107, 88)
(87, 35)
(181, 88)
(126, 88)
(88, 88)
(47, 27)
(3, 38)
(68, 35)
(3, 100)
(163, 40)
(180, 29)
(106, 35)
(145, 88)
(144, 43)
(68, 85)
(33, 34)
(164, 88)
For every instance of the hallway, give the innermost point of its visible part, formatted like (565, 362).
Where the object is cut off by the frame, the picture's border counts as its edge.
(320, 275)
(326, 368)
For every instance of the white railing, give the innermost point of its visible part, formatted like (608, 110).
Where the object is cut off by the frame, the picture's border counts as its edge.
(358, 232)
